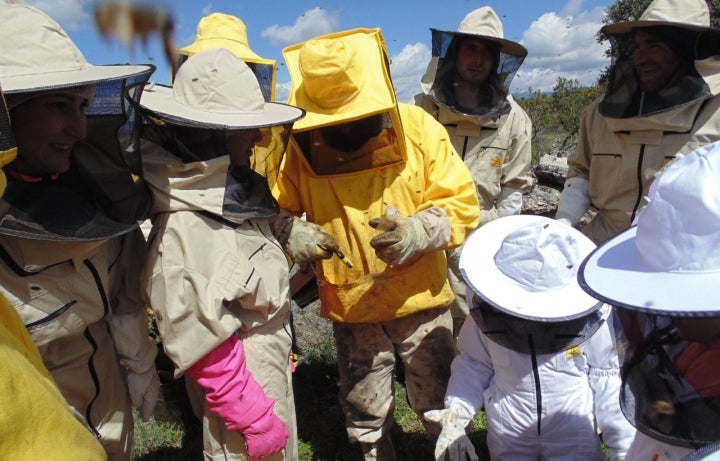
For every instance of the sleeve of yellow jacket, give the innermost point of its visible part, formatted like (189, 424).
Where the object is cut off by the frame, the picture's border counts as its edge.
(35, 420)
(431, 175)
(448, 183)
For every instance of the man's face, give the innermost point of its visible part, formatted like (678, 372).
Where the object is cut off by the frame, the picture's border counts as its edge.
(46, 129)
(655, 63)
(475, 60)
(351, 136)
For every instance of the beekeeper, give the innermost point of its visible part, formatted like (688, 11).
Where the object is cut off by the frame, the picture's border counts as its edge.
(661, 99)
(536, 352)
(216, 276)
(70, 246)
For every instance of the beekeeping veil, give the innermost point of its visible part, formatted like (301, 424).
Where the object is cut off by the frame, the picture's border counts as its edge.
(102, 195)
(216, 95)
(438, 80)
(520, 271)
(661, 274)
(684, 28)
(342, 81)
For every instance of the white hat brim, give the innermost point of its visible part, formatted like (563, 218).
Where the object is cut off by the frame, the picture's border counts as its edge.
(487, 281)
(159, 100)
(48, 81)
(616, 274)
(627, 27)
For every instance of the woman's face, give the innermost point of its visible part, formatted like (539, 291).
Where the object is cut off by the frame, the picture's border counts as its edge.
(46, 129)
(240, 145)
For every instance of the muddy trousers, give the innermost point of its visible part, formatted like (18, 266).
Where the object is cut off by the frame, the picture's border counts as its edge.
(366, 364)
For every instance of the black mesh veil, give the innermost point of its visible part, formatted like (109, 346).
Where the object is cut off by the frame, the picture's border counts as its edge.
(247, 188)
(102, 195)
(444, 48)
(533, 336)
(671, 388)
(623, 96)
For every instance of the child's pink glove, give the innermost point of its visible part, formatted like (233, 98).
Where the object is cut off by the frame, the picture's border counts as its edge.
(235, 396)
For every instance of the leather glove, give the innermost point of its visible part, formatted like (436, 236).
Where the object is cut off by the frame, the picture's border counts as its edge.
(453, 441)
(304, 242)
(235, 396)
(404, 238)
(144, 389)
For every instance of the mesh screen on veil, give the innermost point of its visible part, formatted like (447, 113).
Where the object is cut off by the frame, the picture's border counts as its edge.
(531, 336)
(623, 97)
(246, 193)
(670, 391)
(444, 46)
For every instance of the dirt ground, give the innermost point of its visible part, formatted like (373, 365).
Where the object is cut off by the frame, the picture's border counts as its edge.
(309, 328)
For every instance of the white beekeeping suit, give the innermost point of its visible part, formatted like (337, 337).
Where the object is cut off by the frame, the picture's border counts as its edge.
(536, 352)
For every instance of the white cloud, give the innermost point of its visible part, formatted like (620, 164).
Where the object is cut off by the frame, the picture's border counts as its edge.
(407, 68)
(559, 45)
(70, 14)
(313, 22)
(562, 46)
(282, 91)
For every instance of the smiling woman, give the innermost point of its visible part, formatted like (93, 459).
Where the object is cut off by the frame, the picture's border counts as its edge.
(68, 232)
(47, 152)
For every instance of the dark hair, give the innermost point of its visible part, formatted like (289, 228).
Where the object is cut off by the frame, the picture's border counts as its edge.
(681, 41)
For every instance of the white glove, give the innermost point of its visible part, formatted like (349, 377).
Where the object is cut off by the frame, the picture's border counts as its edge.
(308, 243)
(453, 441)
(404, 238)
(615, 454)
(144, 389)
(509, 202)
(574, 200)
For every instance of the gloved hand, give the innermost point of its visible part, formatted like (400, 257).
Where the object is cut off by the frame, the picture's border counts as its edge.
(574, 200)
(303, 241)
(235, 396)
(404, 238)
(144, 389)
(509, 202)
(453, 441)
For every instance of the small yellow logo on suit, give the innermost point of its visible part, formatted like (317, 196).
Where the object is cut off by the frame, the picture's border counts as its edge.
(496, 162)
(572, 352)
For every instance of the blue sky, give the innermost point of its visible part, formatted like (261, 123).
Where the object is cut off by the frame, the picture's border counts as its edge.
(559, 34)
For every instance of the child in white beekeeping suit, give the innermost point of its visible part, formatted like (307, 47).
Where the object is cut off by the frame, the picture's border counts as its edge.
(536, 351)
(662, 276)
